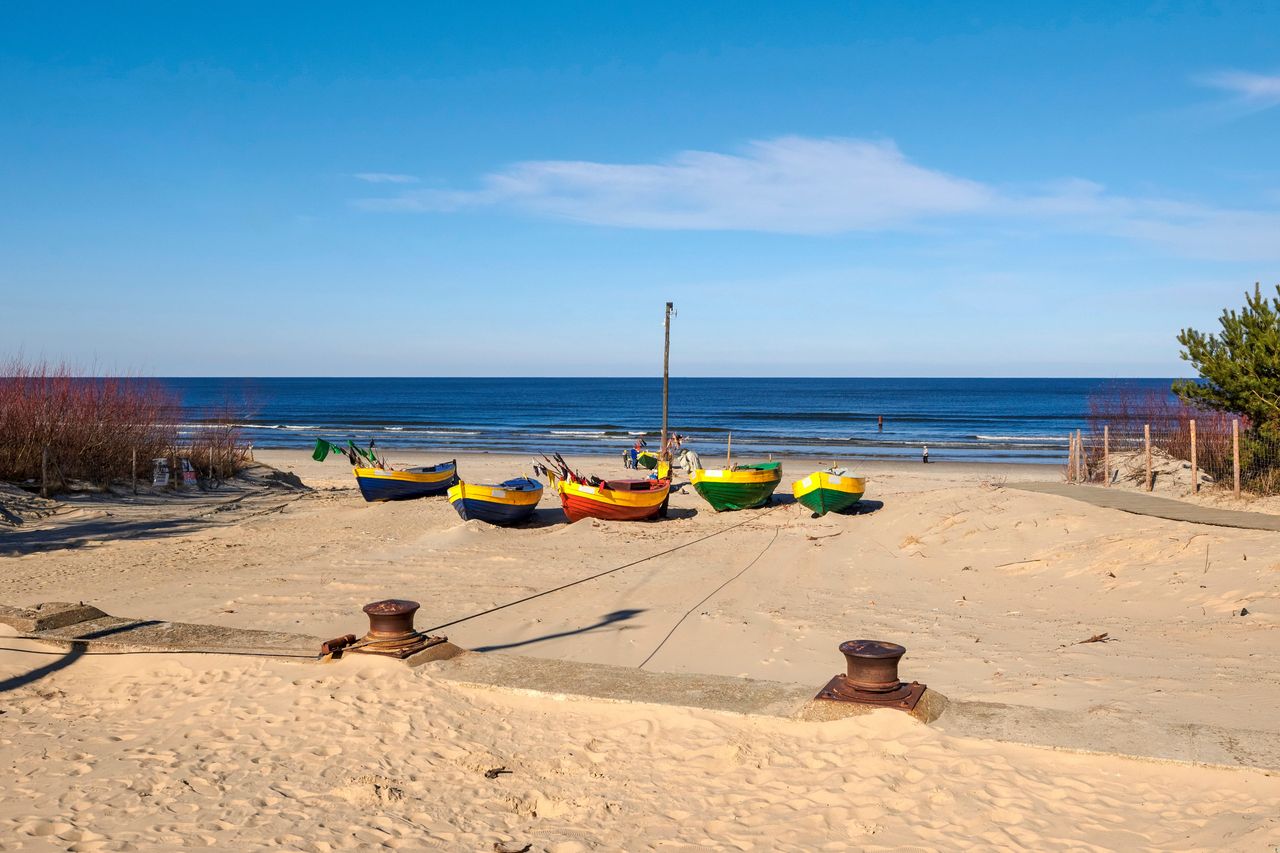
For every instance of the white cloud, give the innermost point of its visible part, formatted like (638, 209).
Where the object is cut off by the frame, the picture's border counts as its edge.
(799, 185)
(792, 184)
(384, 178)
(1250, 90)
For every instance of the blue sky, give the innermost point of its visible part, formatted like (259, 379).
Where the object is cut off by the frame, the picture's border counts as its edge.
(857, 189)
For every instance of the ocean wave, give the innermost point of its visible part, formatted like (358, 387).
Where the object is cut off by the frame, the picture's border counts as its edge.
(981, 437)
(586, 433)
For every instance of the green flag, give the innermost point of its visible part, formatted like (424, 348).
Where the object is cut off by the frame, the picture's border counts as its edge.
(360, 450)
(322, 450)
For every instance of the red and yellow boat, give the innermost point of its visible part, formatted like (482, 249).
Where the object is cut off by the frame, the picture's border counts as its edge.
(616, 500)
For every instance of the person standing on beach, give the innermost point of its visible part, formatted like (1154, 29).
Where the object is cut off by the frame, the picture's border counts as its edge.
(925, 457)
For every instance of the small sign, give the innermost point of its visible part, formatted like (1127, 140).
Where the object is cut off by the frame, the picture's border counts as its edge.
(188, 473)
(159, 472)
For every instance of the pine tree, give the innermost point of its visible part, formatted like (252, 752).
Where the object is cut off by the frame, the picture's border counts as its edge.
(1239, 366)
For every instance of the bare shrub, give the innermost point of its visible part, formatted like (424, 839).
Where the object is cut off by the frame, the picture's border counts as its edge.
(89, 425)
(216, 448)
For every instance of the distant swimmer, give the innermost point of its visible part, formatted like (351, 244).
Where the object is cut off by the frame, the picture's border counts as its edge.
(880, 422)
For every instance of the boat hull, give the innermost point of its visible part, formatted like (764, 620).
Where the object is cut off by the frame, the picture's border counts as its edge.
(735, 489)
(503, 504)
(377, 484)
(580, 501)
(824, 492)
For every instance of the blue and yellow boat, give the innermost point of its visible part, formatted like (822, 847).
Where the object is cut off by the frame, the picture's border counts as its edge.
(505, 503)
(380, 484)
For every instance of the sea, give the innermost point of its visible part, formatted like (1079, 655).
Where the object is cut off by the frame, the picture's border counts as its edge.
(992, 420)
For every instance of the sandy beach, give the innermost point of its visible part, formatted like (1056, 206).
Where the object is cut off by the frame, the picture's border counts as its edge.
(991, 589)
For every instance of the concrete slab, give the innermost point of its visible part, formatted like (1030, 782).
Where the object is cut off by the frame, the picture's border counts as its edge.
(624, 684)
(1136, 737)
(1079, 731)
(1150, 505)
(47, 615)
(71, 624)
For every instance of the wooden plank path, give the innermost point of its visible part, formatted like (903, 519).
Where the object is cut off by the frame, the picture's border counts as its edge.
(1150, 505)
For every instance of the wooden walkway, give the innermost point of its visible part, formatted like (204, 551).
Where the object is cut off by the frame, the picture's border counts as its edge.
(1143, 504)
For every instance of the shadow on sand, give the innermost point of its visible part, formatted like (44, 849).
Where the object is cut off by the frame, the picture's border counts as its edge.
(605, 621)
(77, 534)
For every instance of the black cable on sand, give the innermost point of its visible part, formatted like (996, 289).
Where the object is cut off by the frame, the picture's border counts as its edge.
(599, 574)
(708, 596)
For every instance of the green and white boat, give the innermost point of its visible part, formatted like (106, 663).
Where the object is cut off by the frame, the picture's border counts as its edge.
(739, 487)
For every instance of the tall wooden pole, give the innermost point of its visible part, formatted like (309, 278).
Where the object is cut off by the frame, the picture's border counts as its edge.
(44, 472)
(1195, 469)
(1146, 438)
(728, 452)
(133, 469)
(666, 375)
(1106, 455)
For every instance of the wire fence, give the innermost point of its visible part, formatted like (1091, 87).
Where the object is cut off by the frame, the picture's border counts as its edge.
(1210, 453)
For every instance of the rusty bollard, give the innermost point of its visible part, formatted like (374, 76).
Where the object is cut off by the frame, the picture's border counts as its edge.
(871, 677)
(391, 630)
(391, 633)
(391, 619)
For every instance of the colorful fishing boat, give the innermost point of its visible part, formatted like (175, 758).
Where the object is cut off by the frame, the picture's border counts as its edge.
(827, 491)
(617, 500)
(739, 487)
(647, 459)
(504, 503)
(383, 484)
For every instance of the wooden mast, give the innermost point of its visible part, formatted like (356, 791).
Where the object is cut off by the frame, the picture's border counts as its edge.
(666, 375)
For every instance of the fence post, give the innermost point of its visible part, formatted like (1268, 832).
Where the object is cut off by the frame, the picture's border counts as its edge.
(1195, 468)
(1146, 438)
(44, 472)
(133, 470)
(1082, 461)
(1071, 457)
(1235, 454)
(1106, 455)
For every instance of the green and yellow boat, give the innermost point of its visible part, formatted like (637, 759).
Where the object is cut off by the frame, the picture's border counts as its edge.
(825, 491)
(739, 487)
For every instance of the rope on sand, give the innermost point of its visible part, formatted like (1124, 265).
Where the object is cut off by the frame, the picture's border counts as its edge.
(708, 596)
(606, 572)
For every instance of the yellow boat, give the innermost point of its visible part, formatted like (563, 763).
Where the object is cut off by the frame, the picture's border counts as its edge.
(503, 503)
(739, 487)
(824, 491)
